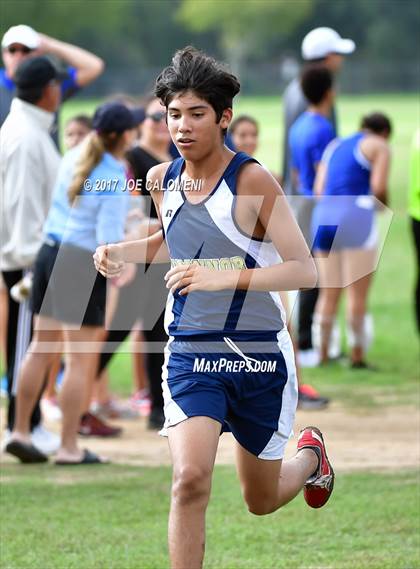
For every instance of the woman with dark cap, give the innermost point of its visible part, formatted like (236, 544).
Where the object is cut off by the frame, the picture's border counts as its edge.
(89, 208)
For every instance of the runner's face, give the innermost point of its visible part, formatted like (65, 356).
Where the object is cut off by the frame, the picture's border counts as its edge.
(245, 137)
(193, 127)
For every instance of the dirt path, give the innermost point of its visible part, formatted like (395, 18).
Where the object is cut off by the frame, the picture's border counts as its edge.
(386, 438)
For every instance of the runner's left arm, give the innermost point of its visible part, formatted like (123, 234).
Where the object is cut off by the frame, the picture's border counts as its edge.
(297, 269)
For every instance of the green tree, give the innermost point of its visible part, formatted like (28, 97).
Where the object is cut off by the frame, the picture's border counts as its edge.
(244, 27)
(131, 34)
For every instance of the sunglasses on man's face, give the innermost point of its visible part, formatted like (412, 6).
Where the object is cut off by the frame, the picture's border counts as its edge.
(156, 117)
(22, 49)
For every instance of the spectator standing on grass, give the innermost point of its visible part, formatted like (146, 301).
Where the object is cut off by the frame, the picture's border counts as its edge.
(308, 138)
(21, 42)
(89, 208)
(29, 164)
(320, 46)
(145, 297)
(244, 132)
(352, 170)
(75, 130)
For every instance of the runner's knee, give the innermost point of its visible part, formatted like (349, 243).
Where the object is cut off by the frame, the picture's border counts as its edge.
(260, 504)
(191, 484)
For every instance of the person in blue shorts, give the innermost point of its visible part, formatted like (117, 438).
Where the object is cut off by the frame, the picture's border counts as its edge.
(232, 241)
(353, 171)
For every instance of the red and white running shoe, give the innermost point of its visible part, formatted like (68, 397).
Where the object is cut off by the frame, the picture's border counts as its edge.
(319, 486)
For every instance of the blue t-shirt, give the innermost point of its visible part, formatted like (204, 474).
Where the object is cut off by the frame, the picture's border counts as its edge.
(309, 136)
(98, 215)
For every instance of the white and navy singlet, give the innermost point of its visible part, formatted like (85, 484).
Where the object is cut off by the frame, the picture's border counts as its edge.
(229, 356)
(207, 234)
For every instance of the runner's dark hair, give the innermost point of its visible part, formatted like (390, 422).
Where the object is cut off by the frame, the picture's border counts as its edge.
(193, 70)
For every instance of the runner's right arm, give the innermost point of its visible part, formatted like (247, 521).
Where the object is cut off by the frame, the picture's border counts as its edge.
(110, 259)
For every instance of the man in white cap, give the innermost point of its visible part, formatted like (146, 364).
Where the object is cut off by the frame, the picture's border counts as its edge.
(326, 47)
(29, 163)
(21, 42)
(321, 45)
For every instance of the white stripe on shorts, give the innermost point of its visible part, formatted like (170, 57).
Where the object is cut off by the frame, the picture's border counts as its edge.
(173, 412)
(274, 450)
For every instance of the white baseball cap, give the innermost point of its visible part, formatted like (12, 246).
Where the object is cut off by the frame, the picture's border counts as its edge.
(22, 34)
(320, 42)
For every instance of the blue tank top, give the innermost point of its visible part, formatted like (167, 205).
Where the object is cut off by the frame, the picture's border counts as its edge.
(348, 171)
(207, 234)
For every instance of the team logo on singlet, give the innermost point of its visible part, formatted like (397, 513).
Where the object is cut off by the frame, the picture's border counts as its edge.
(222, 264)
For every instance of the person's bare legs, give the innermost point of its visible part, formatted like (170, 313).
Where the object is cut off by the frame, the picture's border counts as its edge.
(33, 372)
(358, 262)
(193, 445)
(325, 314)
(140, 378)
(76, 388)
(330, 279)
(267, 485)
(50, 391)
(357, 294)
(100, 392)
(96, 386)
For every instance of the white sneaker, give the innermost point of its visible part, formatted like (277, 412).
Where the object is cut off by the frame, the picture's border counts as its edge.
(51, 410)
(334, 348)
(308, 358)
(44, 440)
(5, 439)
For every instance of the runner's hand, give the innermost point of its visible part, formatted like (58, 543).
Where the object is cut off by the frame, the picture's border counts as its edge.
(127, 275)
(108, 260)
(193, 277)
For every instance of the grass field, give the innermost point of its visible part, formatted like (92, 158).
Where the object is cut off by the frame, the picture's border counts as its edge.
(115, 517)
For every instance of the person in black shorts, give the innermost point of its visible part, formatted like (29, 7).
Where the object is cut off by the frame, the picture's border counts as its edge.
(89, 207)
(146, 293)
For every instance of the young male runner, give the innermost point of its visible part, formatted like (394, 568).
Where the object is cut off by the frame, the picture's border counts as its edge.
(232, 240)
